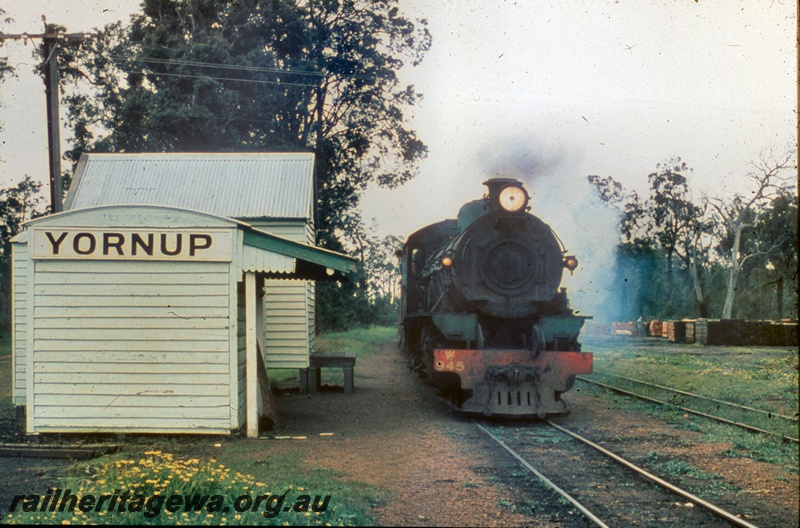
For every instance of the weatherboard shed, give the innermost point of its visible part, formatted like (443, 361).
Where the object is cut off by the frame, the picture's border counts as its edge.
(270, 191)
(146, 318)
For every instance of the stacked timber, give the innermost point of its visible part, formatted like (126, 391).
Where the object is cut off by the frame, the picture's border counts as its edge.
(690, 330)
(701, 331)
(745, 333)
(655, 328)
(676, 331)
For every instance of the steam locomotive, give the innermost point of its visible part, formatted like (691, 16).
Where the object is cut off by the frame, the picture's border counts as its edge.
(482, 315)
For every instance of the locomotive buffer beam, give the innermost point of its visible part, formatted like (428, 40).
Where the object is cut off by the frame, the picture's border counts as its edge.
(513, 382)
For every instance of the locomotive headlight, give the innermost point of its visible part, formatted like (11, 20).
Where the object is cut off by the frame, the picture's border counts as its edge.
(513, 198)
(571, 263)
(447, 262)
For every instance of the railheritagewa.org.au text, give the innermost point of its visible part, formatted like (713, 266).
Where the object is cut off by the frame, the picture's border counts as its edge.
(271, 505)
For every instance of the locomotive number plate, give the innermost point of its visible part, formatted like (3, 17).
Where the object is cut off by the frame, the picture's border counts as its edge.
(450, 366)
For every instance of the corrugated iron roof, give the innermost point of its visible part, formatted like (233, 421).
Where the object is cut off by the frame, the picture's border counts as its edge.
(235, 185)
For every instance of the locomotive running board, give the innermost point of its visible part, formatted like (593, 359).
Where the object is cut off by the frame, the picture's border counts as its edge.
(512, 382)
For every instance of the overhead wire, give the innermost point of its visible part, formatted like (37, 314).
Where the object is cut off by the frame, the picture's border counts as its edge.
(235, 67)
(200, 64)
(254, 81)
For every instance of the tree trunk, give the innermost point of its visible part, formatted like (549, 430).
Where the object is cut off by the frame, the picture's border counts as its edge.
(733, 278)
(697, 286)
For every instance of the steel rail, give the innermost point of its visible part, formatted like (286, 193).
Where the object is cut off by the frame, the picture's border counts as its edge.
(649, 384)
(589, 515)
(750, 428)
(661, 482)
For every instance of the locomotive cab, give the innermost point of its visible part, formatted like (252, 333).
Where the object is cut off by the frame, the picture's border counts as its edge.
(482, 314)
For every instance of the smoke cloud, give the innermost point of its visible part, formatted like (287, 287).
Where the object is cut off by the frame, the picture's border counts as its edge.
(562, 196)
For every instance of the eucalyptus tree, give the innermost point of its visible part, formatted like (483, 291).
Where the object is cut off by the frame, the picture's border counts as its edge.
(257, 75)
(668, 220)
(771, 278)
(680, 225)
(737, 216)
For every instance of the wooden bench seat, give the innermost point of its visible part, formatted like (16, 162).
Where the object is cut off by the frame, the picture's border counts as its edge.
(310, 378)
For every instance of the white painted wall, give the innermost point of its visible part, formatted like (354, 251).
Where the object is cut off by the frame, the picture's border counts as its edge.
(288, 306)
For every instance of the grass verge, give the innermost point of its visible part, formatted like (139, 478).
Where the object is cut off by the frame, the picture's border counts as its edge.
(676, 468)
(743, 443)
(762, 377)
(235, 489)
(360, 342)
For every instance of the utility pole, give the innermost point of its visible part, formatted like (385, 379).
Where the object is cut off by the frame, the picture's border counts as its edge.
(50, 41)
(53, 121)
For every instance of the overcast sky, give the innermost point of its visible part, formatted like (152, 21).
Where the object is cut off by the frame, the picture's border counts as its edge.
(545, 91)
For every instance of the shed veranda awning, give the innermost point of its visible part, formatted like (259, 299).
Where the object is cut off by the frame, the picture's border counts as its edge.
(311, 263)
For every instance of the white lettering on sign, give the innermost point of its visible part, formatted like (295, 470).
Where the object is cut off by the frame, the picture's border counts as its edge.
(132, 244)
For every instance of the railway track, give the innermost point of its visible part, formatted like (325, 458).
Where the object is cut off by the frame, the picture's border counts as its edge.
(604, 487)
(787, 422)
(699, 397)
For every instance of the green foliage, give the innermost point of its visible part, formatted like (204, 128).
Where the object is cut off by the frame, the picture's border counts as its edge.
(261, 75)
(773, 275)
(737, 220)
(643, 287)
(346, 306)
(675, 259)
(257, 75)
(373, 299)
(5, 345)
(663, 253)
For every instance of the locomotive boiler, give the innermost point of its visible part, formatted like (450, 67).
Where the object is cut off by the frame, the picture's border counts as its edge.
(482, 315)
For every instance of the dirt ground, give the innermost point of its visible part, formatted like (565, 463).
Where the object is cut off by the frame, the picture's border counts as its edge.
(393, 433)
(430, 466)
